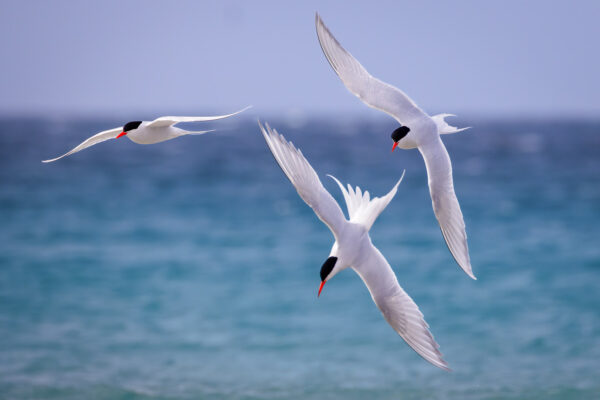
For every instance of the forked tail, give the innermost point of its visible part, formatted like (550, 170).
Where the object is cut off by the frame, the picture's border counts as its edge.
(361, 208)
(443, 127)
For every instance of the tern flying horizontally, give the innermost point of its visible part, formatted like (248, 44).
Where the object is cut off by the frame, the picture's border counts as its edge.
(417, 129)
(353, 247)
(147, 132)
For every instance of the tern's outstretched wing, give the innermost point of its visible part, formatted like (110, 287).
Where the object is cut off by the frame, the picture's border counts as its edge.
(169, 121)
(370, 90)
(398, 309)
(305, 179)
(97, 138)
(445, 204)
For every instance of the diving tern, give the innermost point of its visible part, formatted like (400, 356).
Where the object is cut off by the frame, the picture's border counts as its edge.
(417, 129)
(147, 132)
(353, 247)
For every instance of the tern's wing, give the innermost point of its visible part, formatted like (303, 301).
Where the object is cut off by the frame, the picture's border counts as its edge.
(305, 179)
(445, 204)
(398, 309)
(97, 138)
(169, 121)
(370, 90)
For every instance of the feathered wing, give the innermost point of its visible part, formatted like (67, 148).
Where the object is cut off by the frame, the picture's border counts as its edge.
(305, 179)
(361, 208)
(398, 308)
(370, 90)
(445, 204)
(97, 138)
(170, 121)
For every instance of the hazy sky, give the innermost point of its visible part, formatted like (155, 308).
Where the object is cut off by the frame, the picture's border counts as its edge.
(484, 57)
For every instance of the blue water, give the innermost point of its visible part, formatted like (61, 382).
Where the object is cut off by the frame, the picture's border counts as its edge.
(189, 269)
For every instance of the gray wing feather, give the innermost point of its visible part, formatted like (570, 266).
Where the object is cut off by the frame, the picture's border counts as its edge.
(171, 120)
(305, 179)
(398, 308)
(445, 204)
(370, 90)
(97, 138)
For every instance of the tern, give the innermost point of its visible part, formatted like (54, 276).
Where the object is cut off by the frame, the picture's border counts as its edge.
(417, 129)
(353, 247)
(147, 132)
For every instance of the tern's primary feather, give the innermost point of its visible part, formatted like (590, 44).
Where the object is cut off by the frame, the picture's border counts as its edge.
(425, 132)
(398, 309)
(445, 204)
(305, 179)
(170, 121)
(370, 90)
(97, 138)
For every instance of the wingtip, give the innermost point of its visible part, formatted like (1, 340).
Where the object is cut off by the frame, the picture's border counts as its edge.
(445, 367)
(268, 132)
(401, 178)
(262, 127)
(468, 270)
(319, 24)
(241, 111)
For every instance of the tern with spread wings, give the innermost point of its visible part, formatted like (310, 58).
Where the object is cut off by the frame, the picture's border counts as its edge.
(417, 129)
(353, 247)
(147, 132)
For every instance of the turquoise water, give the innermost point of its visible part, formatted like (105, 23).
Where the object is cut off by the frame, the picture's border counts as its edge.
(190, 269)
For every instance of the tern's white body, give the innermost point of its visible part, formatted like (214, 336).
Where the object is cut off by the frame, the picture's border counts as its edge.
(148, 132)
(353, 248)
(424, 134)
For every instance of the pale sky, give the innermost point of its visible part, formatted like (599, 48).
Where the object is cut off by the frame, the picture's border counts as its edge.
(481, 57)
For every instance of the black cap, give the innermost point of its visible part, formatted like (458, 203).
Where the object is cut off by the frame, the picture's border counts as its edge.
(131, 125)
(400, 133)
(327, 267)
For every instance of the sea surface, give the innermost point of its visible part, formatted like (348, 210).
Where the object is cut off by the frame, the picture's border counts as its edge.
(189, 269)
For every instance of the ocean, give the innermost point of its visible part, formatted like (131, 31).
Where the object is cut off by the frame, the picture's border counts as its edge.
(189, 269)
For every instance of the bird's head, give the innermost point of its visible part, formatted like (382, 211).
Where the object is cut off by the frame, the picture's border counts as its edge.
(128, 127)
(336, 262)
(327, 271)
(398, 135)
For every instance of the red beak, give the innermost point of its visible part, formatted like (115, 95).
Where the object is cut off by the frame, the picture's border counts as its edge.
(121, 134)
(321, 287)
(393, 147)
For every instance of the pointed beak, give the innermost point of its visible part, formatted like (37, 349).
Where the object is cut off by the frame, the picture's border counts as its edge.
(321, 288)
(121, 134)
(394, 146)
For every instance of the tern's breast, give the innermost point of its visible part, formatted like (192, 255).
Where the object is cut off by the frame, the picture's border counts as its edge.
(147, 135)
